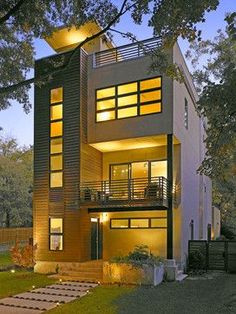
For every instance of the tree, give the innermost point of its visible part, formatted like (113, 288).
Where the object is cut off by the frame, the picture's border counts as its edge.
(16, 181)
(21, 21)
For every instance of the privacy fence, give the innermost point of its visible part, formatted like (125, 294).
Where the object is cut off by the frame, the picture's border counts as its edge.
(9, 236)
(212, 255)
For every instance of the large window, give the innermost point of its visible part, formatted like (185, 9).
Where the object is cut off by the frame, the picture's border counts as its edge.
(129, 100)
(56, 234)
(139, 223)
(56, 137)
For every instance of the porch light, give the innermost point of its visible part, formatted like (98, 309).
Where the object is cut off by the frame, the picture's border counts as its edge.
(13, 271)
(104, 217)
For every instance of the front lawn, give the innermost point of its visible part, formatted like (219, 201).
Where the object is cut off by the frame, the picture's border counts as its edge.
(211, 296)
(21, 281)
(5, 260)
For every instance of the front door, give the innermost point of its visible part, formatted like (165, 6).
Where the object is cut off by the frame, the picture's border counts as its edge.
(96, 239)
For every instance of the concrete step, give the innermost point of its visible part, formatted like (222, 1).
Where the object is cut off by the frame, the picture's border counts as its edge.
(181, 276)
(81, 278)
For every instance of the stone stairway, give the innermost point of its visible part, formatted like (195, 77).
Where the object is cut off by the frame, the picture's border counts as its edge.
(39, 300)
(91, 271)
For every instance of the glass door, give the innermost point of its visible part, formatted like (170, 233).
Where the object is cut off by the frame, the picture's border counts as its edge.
(139, 176)
(119, 184)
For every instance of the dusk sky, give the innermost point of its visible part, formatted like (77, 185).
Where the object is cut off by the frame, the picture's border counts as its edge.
(19, 125)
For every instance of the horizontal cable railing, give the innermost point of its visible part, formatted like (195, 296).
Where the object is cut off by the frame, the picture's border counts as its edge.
(126, 52)
(154, 188)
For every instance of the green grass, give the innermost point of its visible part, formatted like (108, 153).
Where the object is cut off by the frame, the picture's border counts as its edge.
(5, 259)
(216, 295)
(21, 281)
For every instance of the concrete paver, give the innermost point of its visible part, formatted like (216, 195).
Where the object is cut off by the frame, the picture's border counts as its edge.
(44, 297)
(30, 304)
(66, 287)
(80, 284)
(15, 310)
(60, 292)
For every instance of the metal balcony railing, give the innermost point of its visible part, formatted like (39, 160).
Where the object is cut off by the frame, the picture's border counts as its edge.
(155, 189)
(126, 52)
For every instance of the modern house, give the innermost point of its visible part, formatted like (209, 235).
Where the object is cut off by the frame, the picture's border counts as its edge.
(117, 148)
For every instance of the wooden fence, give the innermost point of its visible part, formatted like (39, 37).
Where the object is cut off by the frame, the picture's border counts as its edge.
(9, 236)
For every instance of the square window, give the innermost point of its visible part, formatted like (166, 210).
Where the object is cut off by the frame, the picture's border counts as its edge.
(150, 83)
(56, 112)
(127, 112)
(56, 179)
(127, 88)
(127, 100)
(56, 162)
(150, 96)
(152, 108)
(105, 116)
(56, 242)
(105, 92)
(106, 104)
(56, 146)
(56, 129)
(56, 95)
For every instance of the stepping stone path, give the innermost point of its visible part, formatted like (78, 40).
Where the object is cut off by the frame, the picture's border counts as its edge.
(42, 299)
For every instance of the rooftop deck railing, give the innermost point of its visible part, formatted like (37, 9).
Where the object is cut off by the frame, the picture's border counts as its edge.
(126, 52)
(154, 189)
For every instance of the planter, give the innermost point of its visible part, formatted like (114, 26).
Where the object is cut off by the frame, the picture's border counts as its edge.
(128, 274)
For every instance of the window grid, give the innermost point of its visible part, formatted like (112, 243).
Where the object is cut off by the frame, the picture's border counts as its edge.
(56, 174)
(54, 234)
(138, 104)
(149, 222)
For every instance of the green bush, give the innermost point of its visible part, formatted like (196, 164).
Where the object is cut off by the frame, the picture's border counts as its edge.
(197, 261)
(140, 256)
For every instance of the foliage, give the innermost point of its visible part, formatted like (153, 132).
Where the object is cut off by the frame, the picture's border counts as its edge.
(138, 257)
(23, 256)
(227, 232)
(23, 21)
(216, 83)
(196, 261)
(16, 181)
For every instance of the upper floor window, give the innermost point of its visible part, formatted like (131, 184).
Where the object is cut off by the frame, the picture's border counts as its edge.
(56, 137)
(186, 113)
(129, 100)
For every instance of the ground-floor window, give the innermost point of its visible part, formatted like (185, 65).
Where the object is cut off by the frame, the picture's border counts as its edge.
(138, 223)
(56, 234)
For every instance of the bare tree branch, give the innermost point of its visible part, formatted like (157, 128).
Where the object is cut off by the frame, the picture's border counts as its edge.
(12, 11)
(124, 8)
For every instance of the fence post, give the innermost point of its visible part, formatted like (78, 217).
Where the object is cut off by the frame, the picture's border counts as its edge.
(226, 253)
(207, 255)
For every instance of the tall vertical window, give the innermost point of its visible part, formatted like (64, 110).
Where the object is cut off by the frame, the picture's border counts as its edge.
(186, 113)
(56, 137)
(56, 234)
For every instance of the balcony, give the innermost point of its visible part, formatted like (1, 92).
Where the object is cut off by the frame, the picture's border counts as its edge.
(126, 52)
(152, 191)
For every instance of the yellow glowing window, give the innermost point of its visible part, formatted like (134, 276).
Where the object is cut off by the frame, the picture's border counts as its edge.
(56, 112)
(105, 116)
(106, 104)
(56, 242)
(56, 146)
(127, 88)
(152, 108)
(127, 100)
(139, 223)
(158, 223)
(56, 95)
(56, 225)
(127, 112)
(149, 84)
(56, 129)
(106, 92)
(56, 179)
(56, 162)
(120, 223)
(150, 96)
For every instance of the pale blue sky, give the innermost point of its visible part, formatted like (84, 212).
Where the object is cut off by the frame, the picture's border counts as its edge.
(19, 125)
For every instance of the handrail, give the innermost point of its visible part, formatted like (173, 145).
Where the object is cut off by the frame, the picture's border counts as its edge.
(151, 189)
(125, 52)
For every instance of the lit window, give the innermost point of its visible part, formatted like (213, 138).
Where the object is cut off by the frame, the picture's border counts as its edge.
(56, 162)
(106, 115)
(56, 145)
(106, 104)
(56, 95)
(120, 223)
(56, 112)
(128, 100)
(127, 88)
(56, 179)
(56, 129)
(158, 223)
(147, 109)
(150, 96)
(150, 83)
(56, 234)
(106, 92)
(127, 112)
(139, 223)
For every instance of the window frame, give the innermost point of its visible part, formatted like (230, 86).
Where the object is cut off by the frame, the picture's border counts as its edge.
(138, 228)
(186, 113)
(55, 234)
(137, 105)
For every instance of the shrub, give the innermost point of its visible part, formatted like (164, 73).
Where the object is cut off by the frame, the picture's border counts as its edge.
(140, 256)
(23, 256)
(196, 261)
